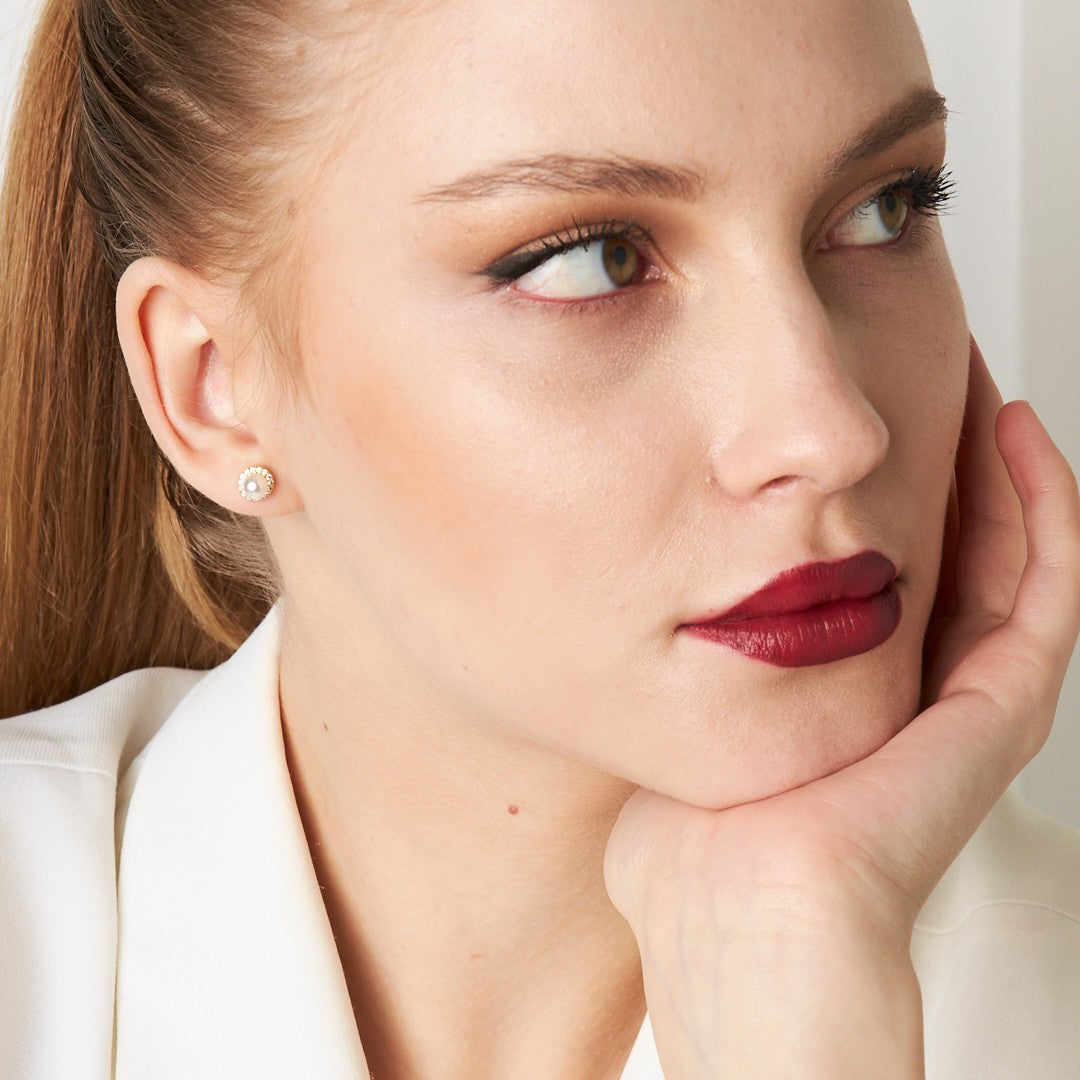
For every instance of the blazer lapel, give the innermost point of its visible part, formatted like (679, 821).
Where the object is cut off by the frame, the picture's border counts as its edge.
(226, 961)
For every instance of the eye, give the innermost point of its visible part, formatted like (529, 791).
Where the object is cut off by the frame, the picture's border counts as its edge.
(879, 220)
(589, 268)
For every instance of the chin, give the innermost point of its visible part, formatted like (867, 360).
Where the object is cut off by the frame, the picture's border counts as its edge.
(812, 724)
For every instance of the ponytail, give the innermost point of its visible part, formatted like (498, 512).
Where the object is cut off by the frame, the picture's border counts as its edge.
(108, 560)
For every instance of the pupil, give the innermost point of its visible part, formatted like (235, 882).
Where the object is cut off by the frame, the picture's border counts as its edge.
(890, 202)
(620, 261)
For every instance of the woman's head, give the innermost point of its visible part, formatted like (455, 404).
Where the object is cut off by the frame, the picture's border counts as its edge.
(504, 503)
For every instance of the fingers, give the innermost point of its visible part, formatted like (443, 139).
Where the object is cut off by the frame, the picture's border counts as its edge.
(1047, 605)
(991, 548)
(996, 704)
(1019, 667)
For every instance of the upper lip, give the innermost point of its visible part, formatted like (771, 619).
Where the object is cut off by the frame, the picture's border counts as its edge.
(811, 585)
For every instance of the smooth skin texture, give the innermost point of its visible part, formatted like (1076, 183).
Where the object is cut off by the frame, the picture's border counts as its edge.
(494, 511)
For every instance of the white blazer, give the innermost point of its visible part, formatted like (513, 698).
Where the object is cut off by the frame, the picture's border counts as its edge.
(160, 918)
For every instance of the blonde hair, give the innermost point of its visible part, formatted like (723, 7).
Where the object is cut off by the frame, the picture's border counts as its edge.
(142, 127)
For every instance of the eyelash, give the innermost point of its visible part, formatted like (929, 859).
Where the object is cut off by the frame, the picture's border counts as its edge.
(928, 191)
(511, 267)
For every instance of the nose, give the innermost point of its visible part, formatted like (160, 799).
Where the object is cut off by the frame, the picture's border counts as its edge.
(794, 415)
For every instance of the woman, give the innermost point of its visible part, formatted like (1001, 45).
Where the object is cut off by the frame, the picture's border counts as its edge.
(584, 383)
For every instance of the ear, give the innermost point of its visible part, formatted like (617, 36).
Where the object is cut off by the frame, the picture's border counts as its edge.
(191, 364)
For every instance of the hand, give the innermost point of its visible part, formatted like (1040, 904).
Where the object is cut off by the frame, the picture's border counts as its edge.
(766, 928)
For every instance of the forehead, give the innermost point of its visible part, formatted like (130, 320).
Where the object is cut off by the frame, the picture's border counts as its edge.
(706, 82)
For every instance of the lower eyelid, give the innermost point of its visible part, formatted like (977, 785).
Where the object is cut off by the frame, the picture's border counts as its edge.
(648, 271)
(557, 306)
(912, 233)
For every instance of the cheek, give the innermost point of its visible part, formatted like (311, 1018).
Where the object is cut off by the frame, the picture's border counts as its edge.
(914, 339)
(461, 489)
(429, 480)
(516, 553)
(909, 336)
(928, 363)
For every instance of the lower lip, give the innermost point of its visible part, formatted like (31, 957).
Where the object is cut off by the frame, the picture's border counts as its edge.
(818, 635)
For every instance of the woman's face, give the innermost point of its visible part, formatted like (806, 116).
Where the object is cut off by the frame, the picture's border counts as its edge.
(517, 495)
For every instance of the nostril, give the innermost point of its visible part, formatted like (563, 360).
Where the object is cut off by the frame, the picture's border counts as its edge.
(781, 483)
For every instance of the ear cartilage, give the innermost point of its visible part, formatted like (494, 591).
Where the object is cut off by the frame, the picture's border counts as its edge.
(256, 483)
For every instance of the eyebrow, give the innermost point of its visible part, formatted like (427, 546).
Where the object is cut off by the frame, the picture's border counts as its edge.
(920, 109)
(617, 175)
(621, 175)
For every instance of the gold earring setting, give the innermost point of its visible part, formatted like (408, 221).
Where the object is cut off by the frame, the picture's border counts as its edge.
(256, 483)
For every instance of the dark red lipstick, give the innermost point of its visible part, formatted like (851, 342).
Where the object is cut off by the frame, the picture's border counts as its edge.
(812, 614)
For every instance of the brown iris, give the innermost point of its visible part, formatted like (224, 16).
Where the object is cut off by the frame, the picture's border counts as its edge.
(893, 208)
(620, 260)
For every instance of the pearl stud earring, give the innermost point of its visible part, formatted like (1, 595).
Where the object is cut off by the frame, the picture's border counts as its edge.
(256, 483)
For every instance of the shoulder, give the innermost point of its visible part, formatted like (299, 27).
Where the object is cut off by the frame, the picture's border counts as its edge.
(98, 732)
(60, 770)
(81, 757)
(997, 950)
(59, 773)
(1019, 858)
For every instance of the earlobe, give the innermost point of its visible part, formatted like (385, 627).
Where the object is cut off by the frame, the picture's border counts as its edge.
(178, 336)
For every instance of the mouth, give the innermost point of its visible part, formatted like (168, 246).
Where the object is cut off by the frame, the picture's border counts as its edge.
(812, 614)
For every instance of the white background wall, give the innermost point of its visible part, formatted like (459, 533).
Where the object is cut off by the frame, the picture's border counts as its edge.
(1009, 70)
(15, 19)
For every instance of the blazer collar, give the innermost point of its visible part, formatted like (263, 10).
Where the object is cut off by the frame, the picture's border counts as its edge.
(226, 962)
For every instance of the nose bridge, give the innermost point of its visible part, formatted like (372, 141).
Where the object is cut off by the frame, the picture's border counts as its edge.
(800, 414)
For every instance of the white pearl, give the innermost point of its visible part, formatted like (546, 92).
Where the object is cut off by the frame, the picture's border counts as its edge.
(252, 486)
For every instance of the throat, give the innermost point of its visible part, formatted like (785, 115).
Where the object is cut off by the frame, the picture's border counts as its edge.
(470, 915)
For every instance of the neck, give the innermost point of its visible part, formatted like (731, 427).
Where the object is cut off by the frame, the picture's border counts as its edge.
(462, 870)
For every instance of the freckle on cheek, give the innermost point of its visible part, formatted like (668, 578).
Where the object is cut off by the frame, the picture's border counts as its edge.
(512, 809)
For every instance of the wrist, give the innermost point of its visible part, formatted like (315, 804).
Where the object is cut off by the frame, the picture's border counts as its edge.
(782, 993)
